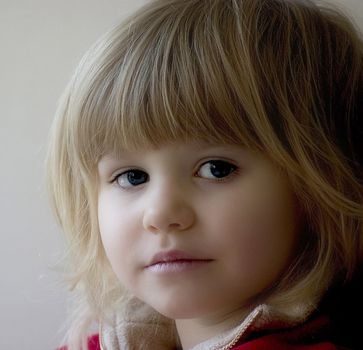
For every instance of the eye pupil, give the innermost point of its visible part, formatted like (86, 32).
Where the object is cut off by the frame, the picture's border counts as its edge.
(136, 177)
(221, 169)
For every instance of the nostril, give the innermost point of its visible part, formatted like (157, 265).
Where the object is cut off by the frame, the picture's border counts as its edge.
(176, 225)
(168, 228)
(152, 228)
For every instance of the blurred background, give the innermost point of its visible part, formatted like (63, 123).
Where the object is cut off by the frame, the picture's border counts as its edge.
(41, 42)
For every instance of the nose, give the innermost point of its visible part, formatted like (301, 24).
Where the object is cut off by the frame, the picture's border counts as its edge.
(168, 212)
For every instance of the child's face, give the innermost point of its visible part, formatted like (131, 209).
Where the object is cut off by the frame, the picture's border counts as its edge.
(229, 213)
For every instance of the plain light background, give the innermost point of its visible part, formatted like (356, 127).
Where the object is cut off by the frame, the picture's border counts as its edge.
(41, 42)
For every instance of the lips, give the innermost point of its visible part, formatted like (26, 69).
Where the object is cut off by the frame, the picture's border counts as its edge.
(175, 256)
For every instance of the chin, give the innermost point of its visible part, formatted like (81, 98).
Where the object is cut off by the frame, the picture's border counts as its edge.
(180, 309)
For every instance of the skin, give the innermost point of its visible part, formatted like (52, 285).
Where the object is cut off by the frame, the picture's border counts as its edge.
(243, 219)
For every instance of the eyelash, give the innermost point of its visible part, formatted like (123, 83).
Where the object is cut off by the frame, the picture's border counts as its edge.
(234, 172)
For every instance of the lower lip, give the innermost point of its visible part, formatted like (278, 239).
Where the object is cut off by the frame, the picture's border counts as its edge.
(177, 266)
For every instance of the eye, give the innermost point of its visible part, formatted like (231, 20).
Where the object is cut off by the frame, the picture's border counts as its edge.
(131, 178)
(216, 169)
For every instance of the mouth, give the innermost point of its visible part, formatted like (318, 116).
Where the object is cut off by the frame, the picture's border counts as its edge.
(175, 261)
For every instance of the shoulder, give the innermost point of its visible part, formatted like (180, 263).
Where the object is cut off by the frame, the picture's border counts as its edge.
(315, 334)
(332, 327)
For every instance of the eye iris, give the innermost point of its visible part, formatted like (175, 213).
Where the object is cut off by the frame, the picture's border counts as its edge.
(221, 169)
(136, 177)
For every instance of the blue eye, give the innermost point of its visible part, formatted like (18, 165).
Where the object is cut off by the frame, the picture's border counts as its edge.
(216, 169)
(131, 178)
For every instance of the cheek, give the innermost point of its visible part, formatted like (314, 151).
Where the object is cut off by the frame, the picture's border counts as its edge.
(258, 235)
(109, 221)
(117, 232)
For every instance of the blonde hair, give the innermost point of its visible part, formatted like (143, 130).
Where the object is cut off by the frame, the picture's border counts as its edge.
(281, 77)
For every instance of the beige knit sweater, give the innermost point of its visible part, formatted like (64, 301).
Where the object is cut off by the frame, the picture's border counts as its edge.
(138, 326)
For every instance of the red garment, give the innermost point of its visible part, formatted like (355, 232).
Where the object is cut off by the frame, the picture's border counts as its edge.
(93, 343)
(312, 335)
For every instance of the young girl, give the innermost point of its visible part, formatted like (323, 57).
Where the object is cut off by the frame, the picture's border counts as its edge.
(206, 166)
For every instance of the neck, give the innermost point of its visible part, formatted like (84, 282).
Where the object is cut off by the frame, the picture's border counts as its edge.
(194, 331)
